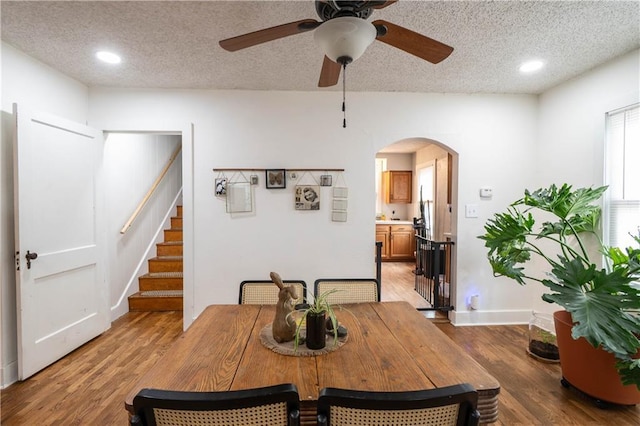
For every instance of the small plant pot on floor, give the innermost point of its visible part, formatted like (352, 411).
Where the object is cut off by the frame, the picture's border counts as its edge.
(590, 370)
(543, 344)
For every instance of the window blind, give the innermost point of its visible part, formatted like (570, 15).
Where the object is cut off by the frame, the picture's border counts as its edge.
(622, 174)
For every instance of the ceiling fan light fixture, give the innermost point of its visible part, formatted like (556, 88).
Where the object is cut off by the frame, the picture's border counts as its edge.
(345, 37)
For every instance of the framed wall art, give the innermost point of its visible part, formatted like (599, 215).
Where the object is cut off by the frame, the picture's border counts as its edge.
(221, 187)
(326, 180)
(307, 197)
(340, 192)
(340, 204)
(276, 178)
(239, 197)
(339, 216)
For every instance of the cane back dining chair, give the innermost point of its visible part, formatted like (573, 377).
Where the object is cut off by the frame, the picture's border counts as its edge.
(265, 292)
(452, 405)
(348, 290)
(277, 405)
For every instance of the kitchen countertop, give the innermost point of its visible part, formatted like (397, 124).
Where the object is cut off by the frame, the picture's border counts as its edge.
(394, 222)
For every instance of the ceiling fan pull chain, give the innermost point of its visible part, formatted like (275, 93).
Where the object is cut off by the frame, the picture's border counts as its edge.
(344, 100)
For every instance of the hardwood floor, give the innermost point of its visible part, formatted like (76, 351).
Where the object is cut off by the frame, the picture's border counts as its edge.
(398, 284)
(531, 393)
(88, 387)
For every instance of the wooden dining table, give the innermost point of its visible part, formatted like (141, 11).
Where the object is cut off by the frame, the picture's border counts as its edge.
(390, 347)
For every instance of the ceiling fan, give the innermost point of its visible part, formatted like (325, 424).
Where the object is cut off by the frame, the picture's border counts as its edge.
(344, 34)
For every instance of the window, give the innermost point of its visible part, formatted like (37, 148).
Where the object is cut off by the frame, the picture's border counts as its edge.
(622, 174)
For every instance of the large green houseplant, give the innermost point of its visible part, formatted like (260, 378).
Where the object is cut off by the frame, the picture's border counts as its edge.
(603, 300)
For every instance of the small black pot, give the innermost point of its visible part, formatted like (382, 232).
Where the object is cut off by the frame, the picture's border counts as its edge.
(316, 330)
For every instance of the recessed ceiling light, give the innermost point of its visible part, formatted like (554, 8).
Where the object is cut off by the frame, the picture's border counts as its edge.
(108, 57)
(531, 66)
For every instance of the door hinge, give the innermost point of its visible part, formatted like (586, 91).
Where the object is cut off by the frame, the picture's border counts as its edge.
(17, 261)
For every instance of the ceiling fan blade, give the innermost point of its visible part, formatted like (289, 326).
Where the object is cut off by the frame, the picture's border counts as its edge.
(412, 42)
(268, 34)
(382, 4)
(330, 73)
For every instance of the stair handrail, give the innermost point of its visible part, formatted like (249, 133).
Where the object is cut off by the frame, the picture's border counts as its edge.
(147, 197)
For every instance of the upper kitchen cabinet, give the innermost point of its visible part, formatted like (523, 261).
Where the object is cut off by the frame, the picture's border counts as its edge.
(397, 186)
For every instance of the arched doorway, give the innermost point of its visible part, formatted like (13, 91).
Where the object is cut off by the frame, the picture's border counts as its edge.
(434, 170)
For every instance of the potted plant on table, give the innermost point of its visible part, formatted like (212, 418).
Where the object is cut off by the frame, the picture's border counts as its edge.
(601, 303)
(316, 315)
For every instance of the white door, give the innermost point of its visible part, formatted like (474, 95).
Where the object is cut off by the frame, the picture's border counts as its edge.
(62, 292)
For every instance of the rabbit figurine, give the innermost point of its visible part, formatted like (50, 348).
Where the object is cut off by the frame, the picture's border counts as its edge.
(284, 326)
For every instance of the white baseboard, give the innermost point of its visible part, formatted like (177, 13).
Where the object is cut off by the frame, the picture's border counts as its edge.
(479, 317)
(9, 374)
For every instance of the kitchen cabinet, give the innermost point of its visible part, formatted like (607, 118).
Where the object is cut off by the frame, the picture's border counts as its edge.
(397, 186)
(402, 242)
(383, 234)
(398, 242)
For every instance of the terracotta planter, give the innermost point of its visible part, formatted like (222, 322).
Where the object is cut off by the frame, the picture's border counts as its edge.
(588, 369)
(316, 330)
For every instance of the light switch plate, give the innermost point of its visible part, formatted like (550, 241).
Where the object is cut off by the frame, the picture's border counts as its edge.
(471, 210)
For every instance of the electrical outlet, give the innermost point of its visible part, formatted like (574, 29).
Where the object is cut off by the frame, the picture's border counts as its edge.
(471, 210)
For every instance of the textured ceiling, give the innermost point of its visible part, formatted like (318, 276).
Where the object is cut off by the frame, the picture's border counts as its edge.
(174, 44)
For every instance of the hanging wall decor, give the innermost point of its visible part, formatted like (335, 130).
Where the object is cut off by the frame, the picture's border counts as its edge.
(340, 204)
(326, 180)
(221, 186)
(239, 199)
(239, 194)
(307, 197)
(340, 201)
(340, 192)
(276, 178)
(337, 216)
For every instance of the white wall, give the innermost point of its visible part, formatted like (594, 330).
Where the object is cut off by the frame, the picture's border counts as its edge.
(572, 126)
(33, 84)
(298, 130)
(132, 162)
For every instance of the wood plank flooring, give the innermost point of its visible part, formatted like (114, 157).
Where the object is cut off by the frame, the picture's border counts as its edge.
(398, 284)
(531, 393)
(88, 387)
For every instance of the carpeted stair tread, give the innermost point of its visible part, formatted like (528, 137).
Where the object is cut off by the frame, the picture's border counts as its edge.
(163, 275)
(161, 293)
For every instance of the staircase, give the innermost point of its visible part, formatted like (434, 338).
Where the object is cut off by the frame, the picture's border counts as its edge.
(161, 288)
